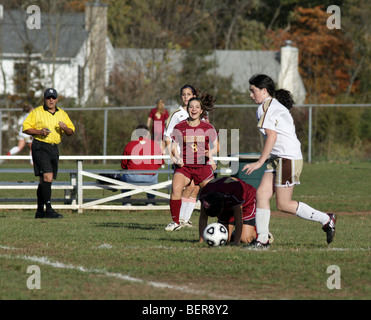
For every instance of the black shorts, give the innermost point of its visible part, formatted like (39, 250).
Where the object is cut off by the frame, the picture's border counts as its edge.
(250, 222)
(45, 158)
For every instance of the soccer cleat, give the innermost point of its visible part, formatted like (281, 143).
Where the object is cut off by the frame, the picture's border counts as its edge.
(186, 224)
(173, 226)
(39, 215)
(52, 215)
(329, 228)
(270, 238)
(257, 245)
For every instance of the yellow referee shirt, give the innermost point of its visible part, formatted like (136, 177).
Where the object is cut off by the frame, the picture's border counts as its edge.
(41, 118)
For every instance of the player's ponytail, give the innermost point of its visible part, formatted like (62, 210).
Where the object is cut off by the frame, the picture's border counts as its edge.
(207, 102)
(285, 98)
(263, 81)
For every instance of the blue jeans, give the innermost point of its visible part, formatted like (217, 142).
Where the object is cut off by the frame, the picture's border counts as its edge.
(140, 178)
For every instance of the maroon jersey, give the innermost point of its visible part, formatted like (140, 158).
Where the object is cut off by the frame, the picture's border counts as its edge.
(237, 193)
(194, 141)
(159, 120)
(141, 147)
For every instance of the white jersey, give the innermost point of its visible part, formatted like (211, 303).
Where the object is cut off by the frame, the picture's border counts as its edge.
(272, 115)
(24, 136)
(177, 116)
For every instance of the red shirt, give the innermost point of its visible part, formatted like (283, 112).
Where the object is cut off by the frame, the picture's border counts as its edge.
(158, 125)
(142, 147)
(237, 193)
(194, 141)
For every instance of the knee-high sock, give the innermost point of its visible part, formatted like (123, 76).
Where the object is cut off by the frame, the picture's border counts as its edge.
(14, 150)
(40, 200)
(262, 218)
(186, 210)
(175, 209)
(189, 209)
(46, 191)
(308, 213)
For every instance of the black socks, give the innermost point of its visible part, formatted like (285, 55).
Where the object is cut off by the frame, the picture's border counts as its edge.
(44, 194)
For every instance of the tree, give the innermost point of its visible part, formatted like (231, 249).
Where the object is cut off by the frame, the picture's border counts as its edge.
(357, 26)
(325, 55)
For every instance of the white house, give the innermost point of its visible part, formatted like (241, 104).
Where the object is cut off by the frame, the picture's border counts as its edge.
(64, 52)
(240, 65)
(72, 53)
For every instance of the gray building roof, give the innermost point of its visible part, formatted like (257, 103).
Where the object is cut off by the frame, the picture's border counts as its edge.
(241, 65)
(237, 64)
(15, 34)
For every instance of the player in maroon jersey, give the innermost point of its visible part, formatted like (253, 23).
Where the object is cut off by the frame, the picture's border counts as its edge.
(233, 202)
(198, 143)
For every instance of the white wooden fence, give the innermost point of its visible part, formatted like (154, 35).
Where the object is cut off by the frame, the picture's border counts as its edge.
(74, 189)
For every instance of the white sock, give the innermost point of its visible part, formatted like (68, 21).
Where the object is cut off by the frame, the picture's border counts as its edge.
(14, 150)
(189, 209)
(308, 213)
(183, 209)
(262, 217)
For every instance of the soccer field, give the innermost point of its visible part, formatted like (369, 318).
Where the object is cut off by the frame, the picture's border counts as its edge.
(129, 255)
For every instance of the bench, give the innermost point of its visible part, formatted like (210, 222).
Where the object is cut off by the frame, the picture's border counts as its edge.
(133, 189)
(79, 182)
(69, 187)
(101, 181)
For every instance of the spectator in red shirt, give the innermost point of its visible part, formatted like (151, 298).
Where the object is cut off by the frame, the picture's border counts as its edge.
(143, 145)
(157, 118)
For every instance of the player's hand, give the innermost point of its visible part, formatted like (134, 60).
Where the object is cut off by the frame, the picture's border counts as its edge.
(251, 167)
(45, 132)
(177, 161)
(62, 125)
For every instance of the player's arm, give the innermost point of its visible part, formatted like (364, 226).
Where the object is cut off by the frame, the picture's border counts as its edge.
(171, 149)
(212, 152)
(34, 132)
(175, 156)
(268, 146)
(237, 213)
(171, 123)
(149, 122)
(202, 223)
(67, 130)
(29, 126)
(166, 145)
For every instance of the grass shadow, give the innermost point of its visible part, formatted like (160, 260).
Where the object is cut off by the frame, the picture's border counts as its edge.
(126, 225)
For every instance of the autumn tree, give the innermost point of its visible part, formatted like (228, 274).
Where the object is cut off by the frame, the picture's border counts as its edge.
(325, 55)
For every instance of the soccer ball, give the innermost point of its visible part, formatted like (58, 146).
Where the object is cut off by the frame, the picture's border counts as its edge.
(215, 234)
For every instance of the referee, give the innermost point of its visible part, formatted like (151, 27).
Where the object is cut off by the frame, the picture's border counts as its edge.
(47, 124)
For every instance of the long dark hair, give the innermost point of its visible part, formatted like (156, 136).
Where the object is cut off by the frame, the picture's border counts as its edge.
(283, 96)
(207, 102)
(213, 203)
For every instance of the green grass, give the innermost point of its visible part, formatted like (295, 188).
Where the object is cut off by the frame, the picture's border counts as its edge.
(96, 251)
(138, 246)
